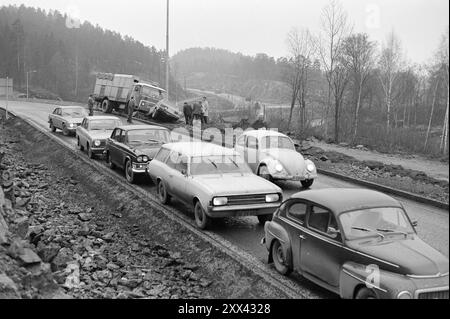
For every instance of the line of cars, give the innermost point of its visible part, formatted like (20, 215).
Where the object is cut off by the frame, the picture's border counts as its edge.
(356, 243)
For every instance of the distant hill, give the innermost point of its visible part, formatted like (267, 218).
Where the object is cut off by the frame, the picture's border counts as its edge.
(66, 59)
(222, 71)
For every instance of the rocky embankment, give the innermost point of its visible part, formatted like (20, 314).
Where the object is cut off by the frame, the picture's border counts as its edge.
(52, 245)
(394, 176)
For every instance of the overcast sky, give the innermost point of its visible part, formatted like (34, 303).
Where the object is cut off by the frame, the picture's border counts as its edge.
(254, 26)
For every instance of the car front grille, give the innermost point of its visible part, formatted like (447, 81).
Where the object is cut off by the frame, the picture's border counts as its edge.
(247, 199)
(443, 294)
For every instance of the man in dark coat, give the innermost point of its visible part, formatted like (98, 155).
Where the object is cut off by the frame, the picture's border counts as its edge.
(187, 111)
(131, 105)
(91, 105)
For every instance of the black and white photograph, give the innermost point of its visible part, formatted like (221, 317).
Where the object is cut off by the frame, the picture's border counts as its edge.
(217, 158)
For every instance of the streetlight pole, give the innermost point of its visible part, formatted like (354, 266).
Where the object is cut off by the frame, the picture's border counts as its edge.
(167, 51)
(28, 72)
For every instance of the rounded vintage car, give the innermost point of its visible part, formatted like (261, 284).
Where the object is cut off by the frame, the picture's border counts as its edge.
(272, 155)
(356, 243)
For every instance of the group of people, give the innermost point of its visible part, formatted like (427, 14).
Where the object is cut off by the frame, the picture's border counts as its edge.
(199, 111)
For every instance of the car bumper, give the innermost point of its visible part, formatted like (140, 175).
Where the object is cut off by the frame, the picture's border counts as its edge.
(140, 168)
(294, 178)
(98, 150)
(242, 210)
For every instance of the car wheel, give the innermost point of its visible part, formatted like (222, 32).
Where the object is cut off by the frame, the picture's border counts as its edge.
(307, 183)
(163, 196)
(264, 218)
(109, 161)
(263, 172)
(52, 127)
(129, 174)
(279, 259)
(201, 219)
(91, 155)
(65, 130)
(366, 293)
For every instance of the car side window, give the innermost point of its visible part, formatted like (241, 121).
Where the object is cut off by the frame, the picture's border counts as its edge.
(252, 142)
(241, 141)
(297, 211)
(55, 112)
(173, 160)
(123, 136)
(182, 165)
(162, 155)
(116, 134)
(322, 220)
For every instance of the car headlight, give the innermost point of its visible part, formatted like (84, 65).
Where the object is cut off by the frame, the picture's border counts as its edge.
(279, 168)
(139, 159)
(97, 143)
(220, 201)
(405, 295)
(71, 125)
(272, 198)
(145, 158)
(310, 167)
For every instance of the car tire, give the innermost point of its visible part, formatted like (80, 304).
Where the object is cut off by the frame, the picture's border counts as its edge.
(129, 174)
(279, 260)
(307, 183)
(109, 161)
(202, 220)
(366, 293)
(65, 130)
(52, 127)
(263, 172)
(262, 219)
(163, 196)
(91, 155)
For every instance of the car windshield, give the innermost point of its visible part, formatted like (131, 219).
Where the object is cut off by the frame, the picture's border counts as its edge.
(149, 91)
(75, 112)
(375, 222)
(104, 125)
(226, 164)
(282, 142)
(147, 136)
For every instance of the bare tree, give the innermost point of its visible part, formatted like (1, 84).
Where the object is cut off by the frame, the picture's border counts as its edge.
(443, 60)
(301, 49)
(358, 52)
(390, 65)
(335, 29)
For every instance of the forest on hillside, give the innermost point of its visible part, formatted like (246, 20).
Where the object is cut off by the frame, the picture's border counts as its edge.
(66, 57)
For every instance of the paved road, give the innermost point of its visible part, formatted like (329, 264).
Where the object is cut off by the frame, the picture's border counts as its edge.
(246, 232)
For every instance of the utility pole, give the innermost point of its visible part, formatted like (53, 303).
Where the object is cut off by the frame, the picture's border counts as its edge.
(7, 88)
(167, 51)
(28, 75)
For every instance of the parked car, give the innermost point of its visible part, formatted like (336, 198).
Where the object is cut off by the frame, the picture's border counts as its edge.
(214, 180)
(67, 119)
(94, 131)
(273, 156)
(357, 243)
(132, 147)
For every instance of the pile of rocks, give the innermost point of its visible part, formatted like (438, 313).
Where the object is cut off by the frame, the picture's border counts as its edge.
(52, 245)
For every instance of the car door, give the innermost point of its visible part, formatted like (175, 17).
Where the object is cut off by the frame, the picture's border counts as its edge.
(82, 132)
(251, 152)
(112, 145)
(178, 178)
(321, 250)
(122, 149)
(57, 119)
(295, 213)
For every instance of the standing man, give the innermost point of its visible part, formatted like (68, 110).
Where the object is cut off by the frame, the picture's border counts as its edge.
(187, 111)
(205, 110)
(197, 115)
(91, 105)
(131, 105)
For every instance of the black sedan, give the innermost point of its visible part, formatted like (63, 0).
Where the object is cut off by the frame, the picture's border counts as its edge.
(132, 147)
(357, 243)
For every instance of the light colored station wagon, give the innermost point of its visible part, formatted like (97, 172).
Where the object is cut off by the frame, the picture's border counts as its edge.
(214, 180)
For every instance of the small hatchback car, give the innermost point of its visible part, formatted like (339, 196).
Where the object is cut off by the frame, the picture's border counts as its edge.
(357, 243)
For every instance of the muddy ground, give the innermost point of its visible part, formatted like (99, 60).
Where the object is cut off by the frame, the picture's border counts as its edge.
(71, 232)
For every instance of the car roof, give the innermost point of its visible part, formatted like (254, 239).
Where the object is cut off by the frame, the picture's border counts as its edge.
(141, 127)
(193, 149)
(341, 200)
(100, 117)
(263, 133)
